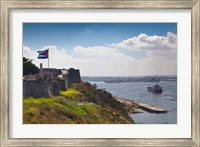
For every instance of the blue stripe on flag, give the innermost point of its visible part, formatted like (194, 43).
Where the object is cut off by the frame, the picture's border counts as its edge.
(40, 52)
(42, 57)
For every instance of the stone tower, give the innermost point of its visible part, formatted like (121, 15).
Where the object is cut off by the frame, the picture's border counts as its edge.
(41, 72)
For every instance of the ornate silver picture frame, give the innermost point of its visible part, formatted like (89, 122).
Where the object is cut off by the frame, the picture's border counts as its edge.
(7, 5)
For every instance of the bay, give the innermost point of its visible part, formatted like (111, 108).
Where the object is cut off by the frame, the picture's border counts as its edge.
(138, 91)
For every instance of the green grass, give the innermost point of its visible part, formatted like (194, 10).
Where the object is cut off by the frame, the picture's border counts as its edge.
(41, 110)
(76, 109)
(71, 94)
(39, 101)
(76, 105)
(90, 108)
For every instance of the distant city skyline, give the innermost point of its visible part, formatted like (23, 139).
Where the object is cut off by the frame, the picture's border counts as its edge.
(105, 49)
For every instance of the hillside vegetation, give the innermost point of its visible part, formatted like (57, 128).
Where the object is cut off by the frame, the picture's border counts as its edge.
(82, 103)
(29, 67)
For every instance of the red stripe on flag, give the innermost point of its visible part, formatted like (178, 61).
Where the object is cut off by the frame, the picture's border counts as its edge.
(47, 53)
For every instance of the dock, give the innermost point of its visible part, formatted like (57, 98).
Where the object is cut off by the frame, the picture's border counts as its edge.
(133, 106)
(151, 108)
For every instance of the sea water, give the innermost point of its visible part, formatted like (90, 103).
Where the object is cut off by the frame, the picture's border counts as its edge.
(138, 91)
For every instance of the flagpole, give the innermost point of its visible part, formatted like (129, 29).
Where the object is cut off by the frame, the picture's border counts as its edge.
(48, 61)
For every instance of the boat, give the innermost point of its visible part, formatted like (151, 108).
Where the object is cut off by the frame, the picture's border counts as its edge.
(156, 89)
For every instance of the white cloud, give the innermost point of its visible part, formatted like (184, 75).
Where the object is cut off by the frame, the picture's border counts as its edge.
(161, 52)
(161, 57)
(145, 42)
(92, 61)
(101, 60)
(29, 53)
(99, 52)
(58, 58)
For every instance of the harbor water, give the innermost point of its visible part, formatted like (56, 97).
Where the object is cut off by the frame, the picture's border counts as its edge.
(138, 91)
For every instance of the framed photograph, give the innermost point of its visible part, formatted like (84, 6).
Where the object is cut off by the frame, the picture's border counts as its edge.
(100, 73)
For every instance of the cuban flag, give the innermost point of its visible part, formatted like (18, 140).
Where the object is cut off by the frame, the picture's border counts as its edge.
(43, 54)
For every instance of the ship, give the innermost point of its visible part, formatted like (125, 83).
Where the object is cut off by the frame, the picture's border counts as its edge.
(156, 89)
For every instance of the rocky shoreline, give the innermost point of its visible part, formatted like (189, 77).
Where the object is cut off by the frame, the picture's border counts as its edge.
(133, 106)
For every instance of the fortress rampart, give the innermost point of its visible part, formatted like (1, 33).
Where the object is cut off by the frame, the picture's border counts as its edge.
(50, 82)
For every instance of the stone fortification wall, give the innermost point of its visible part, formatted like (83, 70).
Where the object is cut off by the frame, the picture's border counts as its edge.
(73, 75)
(40, 88)
(36, 88)
(70, 75)
(55, 88)
(63, 84)
(54, 80)
(53, 72)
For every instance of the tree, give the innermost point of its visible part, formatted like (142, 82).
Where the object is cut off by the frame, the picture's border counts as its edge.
(29, 67)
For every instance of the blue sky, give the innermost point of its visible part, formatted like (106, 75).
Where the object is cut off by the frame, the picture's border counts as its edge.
(68, 35)
(77, 39)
